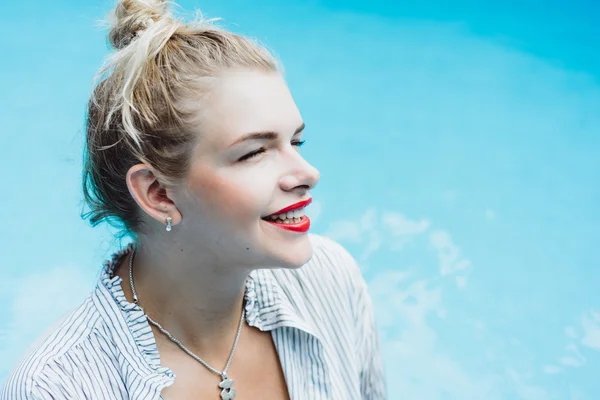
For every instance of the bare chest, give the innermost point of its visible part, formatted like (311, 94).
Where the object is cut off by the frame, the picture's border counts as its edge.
(256, 372)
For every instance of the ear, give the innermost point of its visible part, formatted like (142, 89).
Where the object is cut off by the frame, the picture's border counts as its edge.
(154, 199)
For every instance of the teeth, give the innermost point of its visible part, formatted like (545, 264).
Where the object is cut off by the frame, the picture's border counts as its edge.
(286, 221)
(293, 216)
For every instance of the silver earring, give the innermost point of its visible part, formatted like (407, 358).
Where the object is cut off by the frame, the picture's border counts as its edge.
(169, 219)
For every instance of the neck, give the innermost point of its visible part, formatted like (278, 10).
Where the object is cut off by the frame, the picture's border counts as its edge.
(197, 300)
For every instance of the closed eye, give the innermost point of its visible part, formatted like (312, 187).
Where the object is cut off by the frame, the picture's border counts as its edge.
(297, 143)
(252, 154)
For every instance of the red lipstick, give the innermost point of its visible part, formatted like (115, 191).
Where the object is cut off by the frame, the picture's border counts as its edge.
(302, 226)
(299, 204)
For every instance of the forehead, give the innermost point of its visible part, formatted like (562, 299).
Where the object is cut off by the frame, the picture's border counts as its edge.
(248, 101)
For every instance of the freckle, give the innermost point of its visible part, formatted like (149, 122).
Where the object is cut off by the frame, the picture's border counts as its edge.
(247, 248)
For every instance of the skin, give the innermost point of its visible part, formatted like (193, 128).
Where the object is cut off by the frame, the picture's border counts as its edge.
(191, 280)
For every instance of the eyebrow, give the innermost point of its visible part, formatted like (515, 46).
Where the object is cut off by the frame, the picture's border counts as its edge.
(267, 135)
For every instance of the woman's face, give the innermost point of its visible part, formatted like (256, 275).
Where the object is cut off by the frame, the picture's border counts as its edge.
(236, 180)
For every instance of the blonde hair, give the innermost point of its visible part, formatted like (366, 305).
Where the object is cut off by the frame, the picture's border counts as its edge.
(145, 104)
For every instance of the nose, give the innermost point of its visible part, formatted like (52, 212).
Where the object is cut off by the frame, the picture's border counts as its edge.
(301, 176)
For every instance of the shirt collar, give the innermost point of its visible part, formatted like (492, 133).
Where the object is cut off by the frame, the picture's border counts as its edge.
(268, 305)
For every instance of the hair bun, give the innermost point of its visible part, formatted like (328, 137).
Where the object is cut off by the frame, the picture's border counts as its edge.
(131, 17)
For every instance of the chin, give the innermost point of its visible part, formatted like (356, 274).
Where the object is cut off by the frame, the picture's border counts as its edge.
(301, 253)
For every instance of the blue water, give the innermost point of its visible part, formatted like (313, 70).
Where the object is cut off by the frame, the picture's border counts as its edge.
(459, 149)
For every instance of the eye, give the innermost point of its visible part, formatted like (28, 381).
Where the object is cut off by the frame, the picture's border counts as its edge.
(252, 154)
(298, 143)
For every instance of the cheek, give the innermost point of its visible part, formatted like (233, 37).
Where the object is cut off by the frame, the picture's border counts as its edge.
(230, 197)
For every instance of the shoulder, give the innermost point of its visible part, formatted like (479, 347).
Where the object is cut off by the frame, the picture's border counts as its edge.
(52, 357)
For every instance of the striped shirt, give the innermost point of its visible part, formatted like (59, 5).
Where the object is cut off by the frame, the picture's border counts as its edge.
(320, 317)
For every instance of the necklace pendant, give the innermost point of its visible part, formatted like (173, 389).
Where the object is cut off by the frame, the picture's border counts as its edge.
(228, 392)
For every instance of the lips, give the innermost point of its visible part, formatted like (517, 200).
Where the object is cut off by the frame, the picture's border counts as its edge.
(292, 207)
(302, 226)
(303, 222)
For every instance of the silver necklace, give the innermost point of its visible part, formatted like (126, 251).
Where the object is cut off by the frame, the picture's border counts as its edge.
(226, 385)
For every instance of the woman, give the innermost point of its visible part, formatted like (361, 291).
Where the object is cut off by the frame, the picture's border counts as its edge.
(192, 145)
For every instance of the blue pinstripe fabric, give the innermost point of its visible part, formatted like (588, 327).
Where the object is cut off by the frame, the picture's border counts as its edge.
(320, 317)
